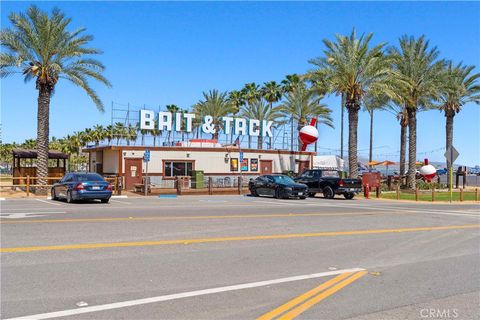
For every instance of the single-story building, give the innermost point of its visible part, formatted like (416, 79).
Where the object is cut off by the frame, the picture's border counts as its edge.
(168, 162)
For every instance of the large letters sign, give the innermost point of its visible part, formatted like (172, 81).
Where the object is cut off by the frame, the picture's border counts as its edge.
(167, 121)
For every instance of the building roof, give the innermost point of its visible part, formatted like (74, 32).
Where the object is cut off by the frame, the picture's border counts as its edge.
(32, 153)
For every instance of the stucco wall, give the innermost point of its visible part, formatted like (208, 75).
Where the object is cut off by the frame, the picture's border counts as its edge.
(110, 161)
(209, 162)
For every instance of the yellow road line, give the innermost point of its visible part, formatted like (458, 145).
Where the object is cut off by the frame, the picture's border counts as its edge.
(285, 215)
(301, 298)
(308, 304)
(226, 239)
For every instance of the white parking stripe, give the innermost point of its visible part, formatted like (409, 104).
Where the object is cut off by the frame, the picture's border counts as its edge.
(175, 296)
(124, 202)
(48, 202)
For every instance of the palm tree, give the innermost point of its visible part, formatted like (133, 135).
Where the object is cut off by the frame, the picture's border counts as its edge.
(131, 134)
(172, 108)
(237, 99)
(400, 112)
(371, 104)
(417, 74)
(109, 133)
(461, 87)
(271, 92)
(352, 68)
(302, 104)
(217, 105)
(41, 47)
(119, 131)
(251, 93)
(260, 110)
(98, 134)
(290, 82)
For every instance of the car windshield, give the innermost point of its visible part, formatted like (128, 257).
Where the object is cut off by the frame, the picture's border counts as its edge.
(283, 179)
(89, 177)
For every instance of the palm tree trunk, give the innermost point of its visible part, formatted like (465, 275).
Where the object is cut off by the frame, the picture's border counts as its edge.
(371, 137)
(43, 125)
(412, 147)
(403, 147)
(260, 142)
(143, 139)
(249, 142)
(341, 126)
(449, 114)
(352, 141)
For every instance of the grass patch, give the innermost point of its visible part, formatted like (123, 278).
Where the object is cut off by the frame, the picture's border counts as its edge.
(427, 196)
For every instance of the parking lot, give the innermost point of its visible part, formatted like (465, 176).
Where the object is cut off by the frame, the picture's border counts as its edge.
(238, 257)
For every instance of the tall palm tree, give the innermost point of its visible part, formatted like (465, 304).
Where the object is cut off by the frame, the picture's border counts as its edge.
(417, 74)
(237, 99)
(119, 131)
(260, 110)
(217, 105)
(98, 134)
(461, 87)
(109, 133)
(302, 104)
(271, 92)
(371, 104)
(131, 134)
(172, 108)
(41, 47)
(351, 67)
(251, 92)
(400, 112)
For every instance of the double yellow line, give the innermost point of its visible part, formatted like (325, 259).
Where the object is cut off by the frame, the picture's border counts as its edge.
(305, 301)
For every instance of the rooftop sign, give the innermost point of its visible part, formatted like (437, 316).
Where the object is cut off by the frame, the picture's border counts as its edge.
(167, 121)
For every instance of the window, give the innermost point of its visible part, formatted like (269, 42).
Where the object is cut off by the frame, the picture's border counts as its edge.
(177, 168)
(89, 177)
(330, 173)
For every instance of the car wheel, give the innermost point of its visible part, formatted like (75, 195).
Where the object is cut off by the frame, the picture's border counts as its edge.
(278, 193)
(348, 195)
(328, 193)
(254, 193)
(303, 198)
(69, 196)
(53, 194)
(312, 194)
(105, 200)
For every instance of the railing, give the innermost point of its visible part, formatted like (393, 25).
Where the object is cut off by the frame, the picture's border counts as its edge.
(29, 183)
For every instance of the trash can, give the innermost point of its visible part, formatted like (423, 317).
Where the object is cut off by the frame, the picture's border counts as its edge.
(197, 179)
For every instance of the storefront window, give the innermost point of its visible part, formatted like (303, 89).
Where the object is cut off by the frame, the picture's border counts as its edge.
(177, 168)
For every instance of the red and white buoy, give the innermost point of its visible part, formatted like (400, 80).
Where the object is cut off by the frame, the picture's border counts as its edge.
(308, 134)
(428, 171)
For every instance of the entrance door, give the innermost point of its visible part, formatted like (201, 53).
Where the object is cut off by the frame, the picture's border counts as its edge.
(133, 172)
(266, 166)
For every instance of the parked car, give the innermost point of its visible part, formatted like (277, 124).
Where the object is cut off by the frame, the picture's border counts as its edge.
(329, 183)
(278, 186)
(81, 186)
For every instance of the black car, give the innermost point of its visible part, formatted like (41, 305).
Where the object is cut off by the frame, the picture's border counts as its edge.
(279, 186)
(81, 186)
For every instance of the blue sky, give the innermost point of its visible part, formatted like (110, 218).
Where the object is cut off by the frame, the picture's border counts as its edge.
(160, 53)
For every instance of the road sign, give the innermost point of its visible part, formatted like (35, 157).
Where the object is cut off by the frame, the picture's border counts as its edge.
(146, 156)
(241, 156)
(451, 154)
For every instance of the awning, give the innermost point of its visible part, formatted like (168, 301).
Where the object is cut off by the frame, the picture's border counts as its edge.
(32, 154)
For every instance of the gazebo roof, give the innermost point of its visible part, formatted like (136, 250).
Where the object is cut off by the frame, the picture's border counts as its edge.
(32, 154)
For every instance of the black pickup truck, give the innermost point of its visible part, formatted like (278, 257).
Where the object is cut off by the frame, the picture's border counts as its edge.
(329, 183)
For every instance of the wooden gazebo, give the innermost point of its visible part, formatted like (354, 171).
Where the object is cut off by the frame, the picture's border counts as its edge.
(24, 163)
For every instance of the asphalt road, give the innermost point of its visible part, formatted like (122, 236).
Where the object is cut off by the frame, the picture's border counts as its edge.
(234, 257)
